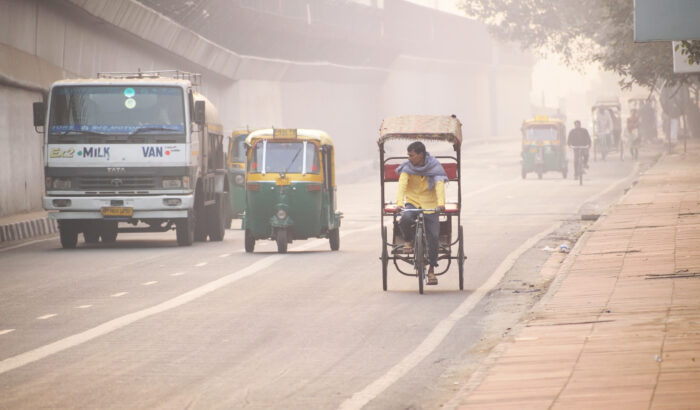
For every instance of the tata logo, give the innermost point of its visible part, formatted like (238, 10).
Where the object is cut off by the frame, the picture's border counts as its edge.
(94, 152)
(153, 152)
(117, 170)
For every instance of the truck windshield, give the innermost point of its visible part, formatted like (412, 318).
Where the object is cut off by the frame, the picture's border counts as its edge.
(284, 157)
(115, 113)
(541, 133)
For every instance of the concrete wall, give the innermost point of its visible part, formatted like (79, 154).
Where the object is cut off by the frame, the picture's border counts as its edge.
(43, 41)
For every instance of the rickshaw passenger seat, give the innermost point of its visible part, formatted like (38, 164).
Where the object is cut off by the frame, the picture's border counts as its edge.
(390, 172)
(451, 170)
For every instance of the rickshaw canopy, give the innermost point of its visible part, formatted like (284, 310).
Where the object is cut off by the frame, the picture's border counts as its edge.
(290, 133)
(429, 127)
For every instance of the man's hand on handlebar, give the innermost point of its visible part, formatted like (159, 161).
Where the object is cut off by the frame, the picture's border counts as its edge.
(440, 209)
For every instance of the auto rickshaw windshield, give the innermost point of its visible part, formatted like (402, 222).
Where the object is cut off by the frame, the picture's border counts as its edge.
(284, 157)
(541, 133)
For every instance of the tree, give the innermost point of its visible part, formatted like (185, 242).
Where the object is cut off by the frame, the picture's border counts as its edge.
(583, 31)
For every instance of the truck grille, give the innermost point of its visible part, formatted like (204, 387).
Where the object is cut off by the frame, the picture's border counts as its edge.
(116, 183)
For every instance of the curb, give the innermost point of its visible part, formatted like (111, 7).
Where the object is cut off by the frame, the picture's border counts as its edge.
(27, 229)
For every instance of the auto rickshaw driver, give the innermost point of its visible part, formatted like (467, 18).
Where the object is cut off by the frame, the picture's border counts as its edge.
(421, 185)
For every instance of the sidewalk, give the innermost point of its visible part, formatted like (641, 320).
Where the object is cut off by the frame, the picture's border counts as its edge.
(620, 326)
(26, 225)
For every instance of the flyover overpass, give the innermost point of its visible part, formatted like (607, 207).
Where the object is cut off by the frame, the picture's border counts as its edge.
(338, 66)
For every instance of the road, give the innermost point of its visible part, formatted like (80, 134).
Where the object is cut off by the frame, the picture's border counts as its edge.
(146, 324)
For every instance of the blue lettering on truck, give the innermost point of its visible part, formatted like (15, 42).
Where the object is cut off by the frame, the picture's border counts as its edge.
(94, 152)
(152, 152)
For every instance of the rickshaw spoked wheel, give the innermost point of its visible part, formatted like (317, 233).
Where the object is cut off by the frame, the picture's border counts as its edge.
(460, 258)
(281, 237)
(334, 239)
(419, 256)
(385, 258)
(249, 241)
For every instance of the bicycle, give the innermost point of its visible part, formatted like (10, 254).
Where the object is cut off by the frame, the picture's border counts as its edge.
(420, 246)
(578, 162)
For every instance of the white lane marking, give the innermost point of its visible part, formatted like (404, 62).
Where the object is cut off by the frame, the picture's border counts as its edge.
(39, 353)
(224, 255)
(26, 244)
(200, 264)
(6, 331)
(440, 332)
(177, 274)
(119, 294)
(83, 306)
(153, 282)
(49, 316)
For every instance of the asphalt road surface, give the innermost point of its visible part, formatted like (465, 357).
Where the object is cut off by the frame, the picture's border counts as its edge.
(143, 323)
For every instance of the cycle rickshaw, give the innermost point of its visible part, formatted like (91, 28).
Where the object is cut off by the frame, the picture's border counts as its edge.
(446, 129)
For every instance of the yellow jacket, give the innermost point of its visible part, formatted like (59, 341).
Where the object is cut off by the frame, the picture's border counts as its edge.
(415, 190)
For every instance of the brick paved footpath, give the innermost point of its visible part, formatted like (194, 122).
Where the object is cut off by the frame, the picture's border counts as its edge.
(620, 327)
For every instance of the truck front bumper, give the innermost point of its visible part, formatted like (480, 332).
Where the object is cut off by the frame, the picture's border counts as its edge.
(144, 207)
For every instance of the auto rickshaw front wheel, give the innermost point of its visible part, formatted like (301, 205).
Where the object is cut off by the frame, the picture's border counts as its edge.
(249, 241)
(281, 238)
(334, 239)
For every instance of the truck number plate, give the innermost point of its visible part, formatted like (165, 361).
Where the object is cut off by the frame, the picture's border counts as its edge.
(117, 211)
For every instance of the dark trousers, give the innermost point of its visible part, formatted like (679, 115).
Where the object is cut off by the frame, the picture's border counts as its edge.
(432, 230)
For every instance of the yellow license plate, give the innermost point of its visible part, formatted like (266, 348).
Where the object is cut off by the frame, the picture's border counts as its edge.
(282, 181)
(118, 211)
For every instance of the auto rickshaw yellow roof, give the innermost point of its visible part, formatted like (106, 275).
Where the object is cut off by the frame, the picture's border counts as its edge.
(294, 133)
(429, 127)
(544, 119)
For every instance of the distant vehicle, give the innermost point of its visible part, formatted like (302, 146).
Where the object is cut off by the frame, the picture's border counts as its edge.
(543, 147)
(647, 115)
(290, 188)
(235, 166)
(133, 147)
(607, 139)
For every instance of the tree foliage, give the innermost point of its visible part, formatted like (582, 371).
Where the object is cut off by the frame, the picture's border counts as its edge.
(582, 31)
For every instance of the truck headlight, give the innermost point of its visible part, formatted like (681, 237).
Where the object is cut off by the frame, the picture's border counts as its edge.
(61, 183)
(172, 182)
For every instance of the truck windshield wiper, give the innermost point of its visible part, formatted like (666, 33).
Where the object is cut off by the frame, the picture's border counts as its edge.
(83, 132)
(144, 129)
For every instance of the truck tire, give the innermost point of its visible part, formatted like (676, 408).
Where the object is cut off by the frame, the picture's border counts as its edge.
(109, 232)
(68, 233)
(216, 217)
(200, 223)
(184, 231)
(91, 232)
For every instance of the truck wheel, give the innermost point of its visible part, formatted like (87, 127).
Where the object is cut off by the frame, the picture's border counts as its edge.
(91, 233)
(109, 232)
(334, 239)
(216, 218)
(68, 233)
(200, 223)
(184, 231)
(282, 241)
(249, 241)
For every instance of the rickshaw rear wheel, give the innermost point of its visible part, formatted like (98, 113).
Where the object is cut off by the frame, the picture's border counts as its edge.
(460, 258)
(419, 258)
(334, 239)
(249, 241)
(281, 241)
(385, 259)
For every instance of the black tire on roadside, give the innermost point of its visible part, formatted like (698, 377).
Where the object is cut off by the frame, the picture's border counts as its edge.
(334, 239)
(68, 232)
(281, 241)
(109, 232)
(249, 241)
(91, 232)
(184, 231)
(216, 217)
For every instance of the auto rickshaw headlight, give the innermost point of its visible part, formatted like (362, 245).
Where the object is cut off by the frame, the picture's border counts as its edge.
(239, 180)
(281, 214)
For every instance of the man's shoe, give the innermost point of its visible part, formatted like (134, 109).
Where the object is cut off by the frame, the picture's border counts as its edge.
(432, 279)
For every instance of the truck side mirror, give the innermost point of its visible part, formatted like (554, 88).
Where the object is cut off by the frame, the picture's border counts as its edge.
(199, 112)
(39, 114)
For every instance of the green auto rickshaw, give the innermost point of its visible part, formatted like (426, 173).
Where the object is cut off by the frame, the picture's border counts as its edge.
(543, 146)
(235, 167)
(290, 188)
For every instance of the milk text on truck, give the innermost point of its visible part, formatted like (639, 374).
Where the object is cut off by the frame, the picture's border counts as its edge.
(133, 152)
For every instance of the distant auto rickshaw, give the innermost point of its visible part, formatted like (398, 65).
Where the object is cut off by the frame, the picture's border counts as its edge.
(543, 147)
(607, 128)
(235, 166)
(290, 188)
(447, 129)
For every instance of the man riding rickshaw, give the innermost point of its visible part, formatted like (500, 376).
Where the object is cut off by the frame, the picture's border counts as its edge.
(543, 146)
(422, 220)
(290, 188)
(607, 128)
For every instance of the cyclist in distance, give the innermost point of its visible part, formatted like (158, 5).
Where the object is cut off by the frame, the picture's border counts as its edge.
(421, 185)
(579, 137)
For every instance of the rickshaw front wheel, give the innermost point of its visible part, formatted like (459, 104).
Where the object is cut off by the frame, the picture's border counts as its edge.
(249, 241)
(385, 258)
(460, 258)
(334, 239)
(281, 241)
